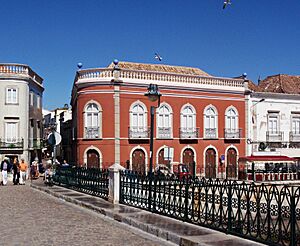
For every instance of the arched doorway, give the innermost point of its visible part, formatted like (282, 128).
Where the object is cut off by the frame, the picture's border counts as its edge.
(231, 164)
(92, 159)
(161, 159)
(210, 163)
(138, 161)
(188, 159)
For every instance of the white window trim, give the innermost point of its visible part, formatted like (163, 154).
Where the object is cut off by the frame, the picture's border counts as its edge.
(194, 115)
(17, 128)
(278, 121)
(17, 95)
(293, 116)
(99, 118)
(170, 120)
(216, 119)
(145, 117)
(237, 117)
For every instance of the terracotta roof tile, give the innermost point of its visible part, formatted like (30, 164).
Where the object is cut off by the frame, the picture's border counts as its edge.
(280, 83)
(162, 68)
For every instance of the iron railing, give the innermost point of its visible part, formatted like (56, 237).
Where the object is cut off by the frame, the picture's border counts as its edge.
(269, 214)
(35, 143)
(138, 132)
(13, 143)
(93, 181)
(92, 132)
(294, 137)
(210, 133)
(188, 132)
(232, 133)
(164, 132)
(274, 136)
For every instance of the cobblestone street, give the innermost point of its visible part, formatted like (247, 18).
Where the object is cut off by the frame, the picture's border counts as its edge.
(30, 217)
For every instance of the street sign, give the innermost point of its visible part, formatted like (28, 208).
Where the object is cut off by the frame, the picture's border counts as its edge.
(168, 153)
(222, 157)
(54, 138)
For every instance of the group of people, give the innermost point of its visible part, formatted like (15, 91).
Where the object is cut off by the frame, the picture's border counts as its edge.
(19, 170)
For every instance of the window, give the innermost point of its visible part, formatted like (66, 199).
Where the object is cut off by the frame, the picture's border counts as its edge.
(11, 96)
(210, 122)
(231, 119)
(273, 123)
(138, 121)
(188, 118)
(11, 132)
(38, 101)
(92, 121)
(31, 98)
(296, 124)
(164, 122)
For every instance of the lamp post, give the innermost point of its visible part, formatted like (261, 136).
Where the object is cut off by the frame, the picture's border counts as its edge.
(153, 95)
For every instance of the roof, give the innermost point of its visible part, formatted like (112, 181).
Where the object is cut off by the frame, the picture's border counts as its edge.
(161, 68)
(274, 158)
(280, 83)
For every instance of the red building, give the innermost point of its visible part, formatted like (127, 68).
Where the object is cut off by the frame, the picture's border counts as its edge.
(200, 116)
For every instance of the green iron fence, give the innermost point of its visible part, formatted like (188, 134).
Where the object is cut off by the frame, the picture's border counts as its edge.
(269, 214)
(93, 181)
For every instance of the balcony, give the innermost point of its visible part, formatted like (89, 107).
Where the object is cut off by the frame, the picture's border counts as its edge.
(274, 136)
(210, 133)
(138, 132)
(232, 133)
(35, 143)
(164, 132)
(14, 143)
(188, 132)
(294, 137)
(91, 132)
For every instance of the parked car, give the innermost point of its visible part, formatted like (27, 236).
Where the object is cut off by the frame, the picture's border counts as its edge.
(181, 171)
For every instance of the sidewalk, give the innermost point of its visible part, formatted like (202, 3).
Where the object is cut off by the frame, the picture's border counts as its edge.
(176, 231)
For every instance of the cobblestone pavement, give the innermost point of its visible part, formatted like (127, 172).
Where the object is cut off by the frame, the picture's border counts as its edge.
(30, 217)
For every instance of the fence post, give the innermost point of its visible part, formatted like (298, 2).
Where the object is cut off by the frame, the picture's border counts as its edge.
(293, 218)
(114, 183)
(229, 226)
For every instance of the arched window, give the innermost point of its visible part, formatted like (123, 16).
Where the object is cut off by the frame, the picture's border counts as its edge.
(231, 123)
(188, 122)
(164, 122)
(210, 123)
(93, 121)
(138, 122)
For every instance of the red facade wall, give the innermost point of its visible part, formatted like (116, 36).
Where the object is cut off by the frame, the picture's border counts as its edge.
(104, 95)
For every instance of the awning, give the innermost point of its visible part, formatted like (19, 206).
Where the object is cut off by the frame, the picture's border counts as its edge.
(267, 158)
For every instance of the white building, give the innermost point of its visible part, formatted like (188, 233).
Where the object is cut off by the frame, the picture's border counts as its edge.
(21, 92)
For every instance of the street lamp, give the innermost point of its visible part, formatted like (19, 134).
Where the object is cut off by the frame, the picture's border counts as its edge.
(153, 95)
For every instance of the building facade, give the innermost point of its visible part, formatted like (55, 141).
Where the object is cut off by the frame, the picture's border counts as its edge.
(201, 118)
(21, 91)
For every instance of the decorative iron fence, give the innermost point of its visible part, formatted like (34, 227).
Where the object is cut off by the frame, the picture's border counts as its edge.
(269, 214)
(93, 181)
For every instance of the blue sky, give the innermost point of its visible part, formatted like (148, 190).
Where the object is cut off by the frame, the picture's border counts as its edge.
(260, 37)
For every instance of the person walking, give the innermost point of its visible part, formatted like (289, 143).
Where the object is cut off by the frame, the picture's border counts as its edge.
(16, 170)
(23, 171)
(4, 169)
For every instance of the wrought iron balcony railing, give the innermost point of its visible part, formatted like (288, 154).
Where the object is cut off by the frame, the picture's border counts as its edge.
(294, 136)
(35, 143)
(210, 133)
(274, 136)
(11, 143)
(188, 132)
(92, 132)
(164, 132)
(138, 132)
(232, 133)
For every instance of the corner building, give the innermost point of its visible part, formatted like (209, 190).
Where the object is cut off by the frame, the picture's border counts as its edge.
(200, 116)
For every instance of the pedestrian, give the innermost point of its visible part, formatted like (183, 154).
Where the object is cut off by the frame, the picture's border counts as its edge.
(16, 170)
(4, 169)
(65, 164)
(23, 171)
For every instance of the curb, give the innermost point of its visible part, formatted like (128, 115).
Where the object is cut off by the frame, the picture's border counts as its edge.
(151, 229)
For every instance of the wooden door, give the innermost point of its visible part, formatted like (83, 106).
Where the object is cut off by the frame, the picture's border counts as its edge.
(188, 159)
(210, 163)
(231, 164)
(92, 159)
(138, 161)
